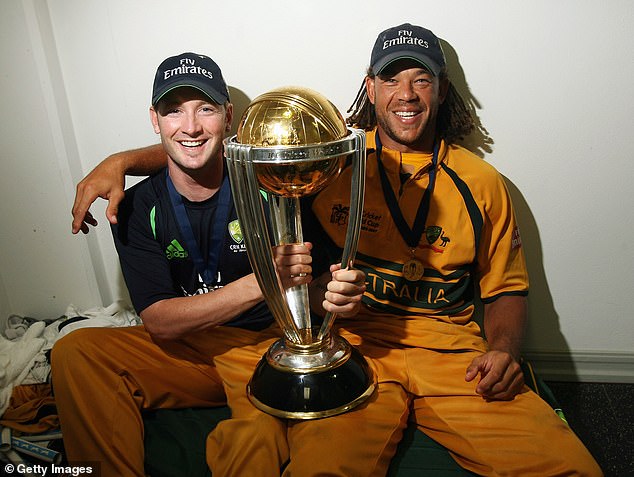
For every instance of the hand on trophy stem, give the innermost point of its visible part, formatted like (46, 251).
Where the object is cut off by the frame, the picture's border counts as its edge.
(293, 264)
(343, 293)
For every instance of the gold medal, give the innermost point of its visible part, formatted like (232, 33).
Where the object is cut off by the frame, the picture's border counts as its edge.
(413, 270)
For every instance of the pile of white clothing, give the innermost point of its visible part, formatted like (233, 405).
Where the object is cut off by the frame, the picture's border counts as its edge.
(25, 346)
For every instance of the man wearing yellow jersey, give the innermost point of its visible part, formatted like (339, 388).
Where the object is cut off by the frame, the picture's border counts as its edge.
(438, 225)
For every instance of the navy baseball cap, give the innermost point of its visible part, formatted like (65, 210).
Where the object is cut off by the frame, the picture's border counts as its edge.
(407, 41)
(193, 70)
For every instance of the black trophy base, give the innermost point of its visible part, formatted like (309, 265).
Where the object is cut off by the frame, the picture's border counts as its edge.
(314, 395)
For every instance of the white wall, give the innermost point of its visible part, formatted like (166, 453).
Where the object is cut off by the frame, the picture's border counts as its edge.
(42, 269)
(551, 83)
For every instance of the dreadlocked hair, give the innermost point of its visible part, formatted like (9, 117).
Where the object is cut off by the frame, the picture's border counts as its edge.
(454, 120)
(362, 110)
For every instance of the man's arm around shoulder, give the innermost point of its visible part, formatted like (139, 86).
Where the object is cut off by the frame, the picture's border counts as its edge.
(107, 180)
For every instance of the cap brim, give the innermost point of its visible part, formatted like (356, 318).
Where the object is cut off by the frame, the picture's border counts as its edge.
(424, 60)
(212, 94)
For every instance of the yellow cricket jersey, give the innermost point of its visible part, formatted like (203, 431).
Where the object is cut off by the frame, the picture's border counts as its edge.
(470, 236)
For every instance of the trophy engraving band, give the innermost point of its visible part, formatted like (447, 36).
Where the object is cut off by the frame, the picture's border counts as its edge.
(308, 153)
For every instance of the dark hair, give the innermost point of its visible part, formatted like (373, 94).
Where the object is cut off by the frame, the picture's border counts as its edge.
(454, 121)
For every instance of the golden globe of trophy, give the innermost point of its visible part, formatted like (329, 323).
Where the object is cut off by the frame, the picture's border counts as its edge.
(291, 142)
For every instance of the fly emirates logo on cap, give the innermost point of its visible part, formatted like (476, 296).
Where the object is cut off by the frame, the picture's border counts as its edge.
(407, 41)
(187, 67)
(405, 37)
(193, 70)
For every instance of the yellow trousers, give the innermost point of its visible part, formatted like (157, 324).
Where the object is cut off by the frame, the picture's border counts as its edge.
(103, 379)
(523, 437)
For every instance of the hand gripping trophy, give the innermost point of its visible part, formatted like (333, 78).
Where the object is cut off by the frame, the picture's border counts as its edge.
(291, 142)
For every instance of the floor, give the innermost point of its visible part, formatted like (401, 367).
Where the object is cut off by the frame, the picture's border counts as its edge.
(602, 415)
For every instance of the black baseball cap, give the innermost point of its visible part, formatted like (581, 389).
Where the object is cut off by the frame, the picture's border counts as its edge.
(193, 70)
(407, 41)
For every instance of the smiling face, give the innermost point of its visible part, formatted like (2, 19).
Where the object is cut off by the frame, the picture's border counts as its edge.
(406, 98)
(192, 128)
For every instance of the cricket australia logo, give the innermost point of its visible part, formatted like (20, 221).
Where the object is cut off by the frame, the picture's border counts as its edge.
(436, 238)
(235, 232)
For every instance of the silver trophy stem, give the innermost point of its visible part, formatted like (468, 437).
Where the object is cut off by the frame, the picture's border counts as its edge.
(287, 229)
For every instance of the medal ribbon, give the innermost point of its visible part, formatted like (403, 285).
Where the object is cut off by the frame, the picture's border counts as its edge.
(207, 271)
(411, 236)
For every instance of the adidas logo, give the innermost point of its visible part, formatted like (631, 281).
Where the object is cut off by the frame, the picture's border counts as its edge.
(175, 250)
